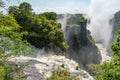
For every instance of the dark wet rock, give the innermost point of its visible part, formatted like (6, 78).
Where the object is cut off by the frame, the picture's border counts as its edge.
(82, 47)
(116, 26)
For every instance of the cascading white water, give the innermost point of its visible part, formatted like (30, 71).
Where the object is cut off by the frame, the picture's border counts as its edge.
(100, 12)
(103, 52)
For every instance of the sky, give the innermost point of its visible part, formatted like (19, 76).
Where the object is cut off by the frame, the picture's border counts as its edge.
(58, 6)
(66, 6)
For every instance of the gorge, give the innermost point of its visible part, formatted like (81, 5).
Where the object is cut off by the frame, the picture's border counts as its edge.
(51, 46)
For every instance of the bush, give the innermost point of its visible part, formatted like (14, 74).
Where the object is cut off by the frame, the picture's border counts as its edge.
(110, 70)
(60, 75)
(2, 73)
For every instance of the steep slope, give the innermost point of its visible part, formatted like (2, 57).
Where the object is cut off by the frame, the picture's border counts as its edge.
(82, 47)
(116, 27)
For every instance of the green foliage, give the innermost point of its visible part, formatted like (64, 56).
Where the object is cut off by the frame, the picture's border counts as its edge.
(2, 73)
(13, 10)
(22, 24)
(75, 19)
(60, 75)
(10, 37)
(5, 72)
(43, 29)
(46, 33)
(11, 32)
(8, 20)
(25, 7)
(63, 65)
(110, 70)
(107, 71)
(116, 46)
(49, 15)
(77, 68)
(11, 43)
(82, 19)
(5, 68)
(22, 14)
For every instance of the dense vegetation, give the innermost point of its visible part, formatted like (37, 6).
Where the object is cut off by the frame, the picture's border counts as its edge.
(110, 70)
(11, 43)
(43, 30)
(21, 26)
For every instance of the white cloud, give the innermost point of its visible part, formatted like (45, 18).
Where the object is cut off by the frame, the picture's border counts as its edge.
(68, 6)
(61, 10)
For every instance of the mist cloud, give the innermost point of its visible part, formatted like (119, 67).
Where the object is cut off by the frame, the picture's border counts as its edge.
(100, 12)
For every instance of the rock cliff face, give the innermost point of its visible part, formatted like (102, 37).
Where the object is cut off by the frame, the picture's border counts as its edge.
(116, 27)
(82, 47)
(116, 24)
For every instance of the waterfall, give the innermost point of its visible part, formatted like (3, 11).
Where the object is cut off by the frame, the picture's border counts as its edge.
(100, 12)
(103, 52)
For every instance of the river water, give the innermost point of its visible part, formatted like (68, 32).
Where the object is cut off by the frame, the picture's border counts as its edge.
(103, 52)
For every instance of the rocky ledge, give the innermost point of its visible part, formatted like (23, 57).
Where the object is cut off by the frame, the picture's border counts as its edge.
(40, 68)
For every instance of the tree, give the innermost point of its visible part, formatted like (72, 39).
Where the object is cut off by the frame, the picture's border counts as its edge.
(43, 29)
(9, 20)
(47, 33)
(116, 48)
(49, 15)
(11, 41)
(110, 70)
(25, 7)
(14, 10)
(23, 15)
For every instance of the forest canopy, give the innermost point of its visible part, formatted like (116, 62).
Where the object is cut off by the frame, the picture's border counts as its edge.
(21, 28)
(43, 29)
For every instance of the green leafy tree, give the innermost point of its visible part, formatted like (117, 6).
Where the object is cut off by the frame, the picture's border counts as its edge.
(49, 15)
(11, 43)
(43, 29)
(14, 10)
(23, 15)
(110, 70)
(25, 7)
(8, 20)
(47, 33)
(116, 47)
